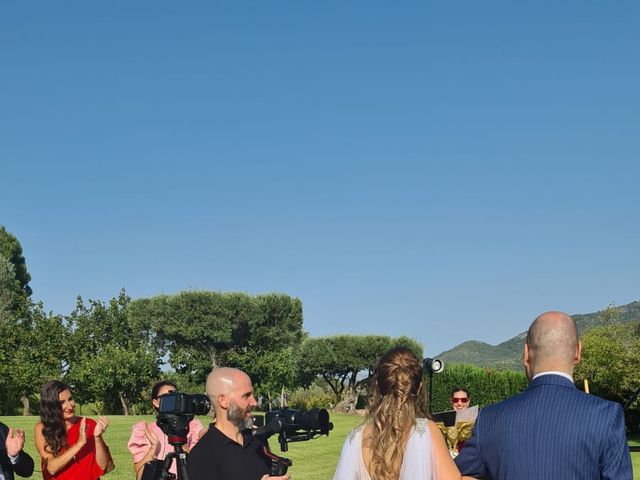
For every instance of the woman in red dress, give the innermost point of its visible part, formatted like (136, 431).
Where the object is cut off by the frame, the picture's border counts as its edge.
(70, 447)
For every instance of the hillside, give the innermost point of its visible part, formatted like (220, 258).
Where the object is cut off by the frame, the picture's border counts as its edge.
(508, 355)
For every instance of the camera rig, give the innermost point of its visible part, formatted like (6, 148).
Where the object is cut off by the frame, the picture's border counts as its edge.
(291, 426)
(174, 415)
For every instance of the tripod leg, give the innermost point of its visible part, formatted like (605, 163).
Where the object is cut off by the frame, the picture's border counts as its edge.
(181, 463)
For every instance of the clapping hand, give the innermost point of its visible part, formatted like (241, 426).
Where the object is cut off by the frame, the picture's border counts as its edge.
(15, 442)
(82, 435)
(153, 440)
(101, 426)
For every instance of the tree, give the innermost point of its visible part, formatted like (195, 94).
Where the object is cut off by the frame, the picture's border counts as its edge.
(340, 359)
(7, 332)
(8, 291)
(31, 343)
(40, 353)
(271, 344)
(197, 328)
(112, 361)
(202, 330)
(611, 360)
(11, 249)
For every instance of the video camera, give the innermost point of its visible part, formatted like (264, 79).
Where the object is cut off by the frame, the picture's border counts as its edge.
(291, 426)
(175, 412)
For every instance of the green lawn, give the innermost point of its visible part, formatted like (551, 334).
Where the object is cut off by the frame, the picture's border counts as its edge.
(635, 457)
(312, 460)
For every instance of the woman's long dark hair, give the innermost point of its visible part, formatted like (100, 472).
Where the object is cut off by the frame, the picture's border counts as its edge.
(53, 429)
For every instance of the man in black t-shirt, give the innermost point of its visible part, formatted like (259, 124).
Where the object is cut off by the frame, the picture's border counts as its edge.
(225, 452)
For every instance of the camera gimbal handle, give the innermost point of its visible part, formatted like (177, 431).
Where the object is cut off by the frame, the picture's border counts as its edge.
(279, 465)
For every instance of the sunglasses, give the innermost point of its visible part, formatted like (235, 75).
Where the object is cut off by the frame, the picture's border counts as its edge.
(460, 400)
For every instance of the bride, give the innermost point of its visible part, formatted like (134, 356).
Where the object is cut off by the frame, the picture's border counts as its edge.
(397, 441)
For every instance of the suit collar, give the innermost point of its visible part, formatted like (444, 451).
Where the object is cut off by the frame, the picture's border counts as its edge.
(551, 379)
(554, 372)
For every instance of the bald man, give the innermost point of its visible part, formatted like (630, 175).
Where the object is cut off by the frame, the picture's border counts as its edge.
(551, 430)
(227, 451)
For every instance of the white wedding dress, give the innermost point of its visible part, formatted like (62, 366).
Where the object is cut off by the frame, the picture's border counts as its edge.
(417, 462)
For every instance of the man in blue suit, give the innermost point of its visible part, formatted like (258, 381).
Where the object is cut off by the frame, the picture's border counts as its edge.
(551, 430)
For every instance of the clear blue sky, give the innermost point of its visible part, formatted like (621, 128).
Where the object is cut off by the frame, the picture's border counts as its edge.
(440, 169)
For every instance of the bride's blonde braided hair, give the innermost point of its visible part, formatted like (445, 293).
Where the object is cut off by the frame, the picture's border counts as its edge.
(397, 400)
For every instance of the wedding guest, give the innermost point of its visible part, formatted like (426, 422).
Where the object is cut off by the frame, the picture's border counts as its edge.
(13, 459)
(459, 398)
(70, 447)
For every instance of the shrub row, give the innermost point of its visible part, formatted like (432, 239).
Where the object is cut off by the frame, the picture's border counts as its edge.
(485, 386)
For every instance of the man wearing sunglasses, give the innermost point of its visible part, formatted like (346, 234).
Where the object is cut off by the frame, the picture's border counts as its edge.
(459, 398)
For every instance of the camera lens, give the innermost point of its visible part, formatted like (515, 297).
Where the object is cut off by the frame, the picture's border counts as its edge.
(314, 419)
(200, 404)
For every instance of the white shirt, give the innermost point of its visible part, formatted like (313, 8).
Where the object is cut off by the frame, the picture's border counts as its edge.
(14, 460)
(554, 372)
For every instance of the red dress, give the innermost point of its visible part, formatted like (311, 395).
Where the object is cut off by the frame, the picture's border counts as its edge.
(84, 465)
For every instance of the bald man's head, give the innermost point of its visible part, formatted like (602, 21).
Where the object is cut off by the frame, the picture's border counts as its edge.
(552, 344)
(231, 393)
(223, 380)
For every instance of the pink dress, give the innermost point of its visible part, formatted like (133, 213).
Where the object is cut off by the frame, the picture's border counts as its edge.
(138, 443)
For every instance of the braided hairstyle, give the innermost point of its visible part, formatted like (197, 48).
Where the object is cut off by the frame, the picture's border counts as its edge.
(53, 429)
(398, 399)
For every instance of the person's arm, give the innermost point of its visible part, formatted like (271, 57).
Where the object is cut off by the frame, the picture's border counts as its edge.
(615, 459)
(149, 455)
(350, 456)
(469, 461)
(446, 469)
(21, 461)
(103, 455)
(55, 464)
(196, 431)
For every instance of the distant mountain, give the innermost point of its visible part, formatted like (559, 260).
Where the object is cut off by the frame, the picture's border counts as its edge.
(508, 355)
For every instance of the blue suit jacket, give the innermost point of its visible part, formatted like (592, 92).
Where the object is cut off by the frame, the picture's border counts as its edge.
(550, 431)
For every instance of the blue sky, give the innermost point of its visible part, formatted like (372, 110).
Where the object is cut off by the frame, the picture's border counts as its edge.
(444, 170)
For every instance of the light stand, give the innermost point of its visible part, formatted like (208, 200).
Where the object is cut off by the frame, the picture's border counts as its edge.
(431, 366)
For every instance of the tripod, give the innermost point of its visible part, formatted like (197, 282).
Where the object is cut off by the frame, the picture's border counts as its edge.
(159, 469)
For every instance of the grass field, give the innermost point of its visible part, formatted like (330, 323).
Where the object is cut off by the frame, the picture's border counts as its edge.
(635, 457)
(312, 460)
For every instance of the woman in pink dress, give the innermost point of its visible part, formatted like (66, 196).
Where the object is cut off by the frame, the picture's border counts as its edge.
(70, 447)
(148, 442)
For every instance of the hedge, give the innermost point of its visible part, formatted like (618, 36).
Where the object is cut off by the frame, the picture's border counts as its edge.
(485, 385)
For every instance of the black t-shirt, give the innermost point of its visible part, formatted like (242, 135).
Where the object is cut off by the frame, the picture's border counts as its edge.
(217, 457)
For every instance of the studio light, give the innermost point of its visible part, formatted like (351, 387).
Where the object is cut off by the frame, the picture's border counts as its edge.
(433, 365)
